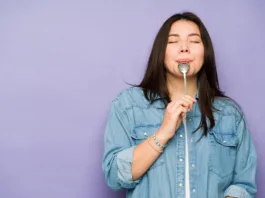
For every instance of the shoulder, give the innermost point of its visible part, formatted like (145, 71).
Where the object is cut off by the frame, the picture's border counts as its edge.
(228, 107)
(129, 98)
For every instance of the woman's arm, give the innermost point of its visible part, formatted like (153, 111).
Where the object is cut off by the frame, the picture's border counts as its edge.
(243, 184)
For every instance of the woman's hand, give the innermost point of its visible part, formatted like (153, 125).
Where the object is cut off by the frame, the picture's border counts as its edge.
(174, 113)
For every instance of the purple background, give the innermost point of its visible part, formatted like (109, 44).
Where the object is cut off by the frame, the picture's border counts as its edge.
(62, 62)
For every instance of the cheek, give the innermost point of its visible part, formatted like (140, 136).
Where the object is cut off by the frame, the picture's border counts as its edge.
(200, 56)
(170, 51)
(199, 61)
(168, 56)
(201, 52)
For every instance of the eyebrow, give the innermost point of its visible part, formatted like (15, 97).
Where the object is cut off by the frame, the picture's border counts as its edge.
(192, 34)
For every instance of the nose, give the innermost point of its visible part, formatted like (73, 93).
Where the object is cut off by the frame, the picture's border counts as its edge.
(184, 48)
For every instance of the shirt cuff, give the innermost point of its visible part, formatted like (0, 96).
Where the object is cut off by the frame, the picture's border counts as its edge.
(236, 191)
(124, 165)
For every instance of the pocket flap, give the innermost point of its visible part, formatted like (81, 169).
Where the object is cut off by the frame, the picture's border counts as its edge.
(225, 139)
(144, 131)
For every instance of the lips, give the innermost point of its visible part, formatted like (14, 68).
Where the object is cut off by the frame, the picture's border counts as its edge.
(186, 60)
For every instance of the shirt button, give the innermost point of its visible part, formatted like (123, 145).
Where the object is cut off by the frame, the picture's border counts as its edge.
(180, 160)
(180, 185)
(145, 134)
(181, 135)
(193, 165)
(194, 190)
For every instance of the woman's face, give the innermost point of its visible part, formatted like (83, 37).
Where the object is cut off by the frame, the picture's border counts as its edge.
(184, 46)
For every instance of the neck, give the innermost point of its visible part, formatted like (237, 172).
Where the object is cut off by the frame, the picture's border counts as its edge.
(176, 86)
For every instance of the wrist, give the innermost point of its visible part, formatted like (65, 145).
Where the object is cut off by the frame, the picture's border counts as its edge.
(161, 138)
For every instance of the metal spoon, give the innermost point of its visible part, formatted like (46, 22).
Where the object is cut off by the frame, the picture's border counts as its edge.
(184, 68)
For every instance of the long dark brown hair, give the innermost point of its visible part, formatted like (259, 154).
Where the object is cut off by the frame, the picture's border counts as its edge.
(154, 82)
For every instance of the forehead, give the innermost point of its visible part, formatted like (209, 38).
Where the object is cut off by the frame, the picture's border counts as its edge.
(184, 27)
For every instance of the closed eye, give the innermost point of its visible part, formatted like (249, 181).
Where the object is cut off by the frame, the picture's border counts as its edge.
(195, 41)
(169, 42)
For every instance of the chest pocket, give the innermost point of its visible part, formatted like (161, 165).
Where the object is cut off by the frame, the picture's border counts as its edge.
(223, 153)
(141, 133)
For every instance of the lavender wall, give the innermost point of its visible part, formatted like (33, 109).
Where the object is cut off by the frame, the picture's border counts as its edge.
(62, 62)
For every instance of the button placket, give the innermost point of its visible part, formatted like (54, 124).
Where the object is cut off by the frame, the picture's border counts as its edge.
(180, 166)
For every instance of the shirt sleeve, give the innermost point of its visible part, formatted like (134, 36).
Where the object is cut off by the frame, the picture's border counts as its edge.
(118, 151)
(236, 191)
(243, 184)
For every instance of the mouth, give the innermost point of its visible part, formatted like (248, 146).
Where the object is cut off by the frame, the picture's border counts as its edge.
(183, 61)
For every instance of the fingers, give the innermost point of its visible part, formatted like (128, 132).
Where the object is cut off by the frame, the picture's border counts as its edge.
(188, 101)
(185, 101)
(179, 108)
(175, 111)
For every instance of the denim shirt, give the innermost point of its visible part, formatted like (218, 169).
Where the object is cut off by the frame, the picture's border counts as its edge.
(223, 163)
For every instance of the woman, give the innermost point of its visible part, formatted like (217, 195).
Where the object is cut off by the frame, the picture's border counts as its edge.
(144, 138)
